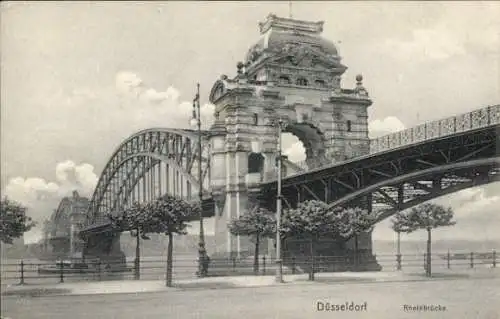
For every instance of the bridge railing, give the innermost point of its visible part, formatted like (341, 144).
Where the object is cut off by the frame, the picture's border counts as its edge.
(483, 117)
(444, 127)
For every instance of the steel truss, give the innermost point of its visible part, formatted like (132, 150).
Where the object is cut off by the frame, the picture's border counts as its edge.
(147, 165)
(399, 178)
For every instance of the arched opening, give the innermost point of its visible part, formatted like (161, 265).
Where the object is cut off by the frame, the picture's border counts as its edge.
(255, 163)
(320, 83)
(284, 79)
(255, 119)
(292, 147)
(303, 144)
(301, 82)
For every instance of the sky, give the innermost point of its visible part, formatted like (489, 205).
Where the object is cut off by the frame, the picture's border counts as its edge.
(80, 77)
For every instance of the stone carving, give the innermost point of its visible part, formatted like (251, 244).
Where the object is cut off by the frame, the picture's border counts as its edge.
(303, 56)
(254, 54)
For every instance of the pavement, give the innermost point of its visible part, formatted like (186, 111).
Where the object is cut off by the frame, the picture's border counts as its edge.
(142, 286)
(453, 299)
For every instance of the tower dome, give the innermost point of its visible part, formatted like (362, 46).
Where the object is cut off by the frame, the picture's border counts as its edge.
(277, 34)
(288, 48)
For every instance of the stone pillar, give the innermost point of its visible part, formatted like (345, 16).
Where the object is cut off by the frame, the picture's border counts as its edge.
(220, 224)
(219, 166)
(367, 260)
(71, 238)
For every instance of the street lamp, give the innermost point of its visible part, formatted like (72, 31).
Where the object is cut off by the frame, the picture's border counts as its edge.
(196, 120)
(279, 264)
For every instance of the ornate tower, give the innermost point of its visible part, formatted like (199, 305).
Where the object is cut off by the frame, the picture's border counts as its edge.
(291, 73)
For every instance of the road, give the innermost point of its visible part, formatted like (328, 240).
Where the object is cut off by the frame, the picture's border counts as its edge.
(463, 298)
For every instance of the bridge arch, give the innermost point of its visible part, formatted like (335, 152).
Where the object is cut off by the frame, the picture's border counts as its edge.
(148, 164)
(473, 173)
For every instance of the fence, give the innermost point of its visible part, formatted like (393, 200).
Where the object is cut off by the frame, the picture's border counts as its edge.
(154, 268)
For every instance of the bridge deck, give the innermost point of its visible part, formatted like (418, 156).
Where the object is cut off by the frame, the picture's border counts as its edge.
(341, 179)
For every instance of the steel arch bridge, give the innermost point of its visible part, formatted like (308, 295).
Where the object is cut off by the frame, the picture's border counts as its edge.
(147, 165)
(399, 173)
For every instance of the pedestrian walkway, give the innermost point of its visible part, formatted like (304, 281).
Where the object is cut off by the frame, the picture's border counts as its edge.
(141, 286)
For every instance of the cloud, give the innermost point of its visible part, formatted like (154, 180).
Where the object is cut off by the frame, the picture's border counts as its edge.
(390, 124)
(128, 83)
(42, 197)
(296, 152)
(293, 147)
(152, 108)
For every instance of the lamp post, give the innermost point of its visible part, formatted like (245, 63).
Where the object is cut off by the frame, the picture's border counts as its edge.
(279, 264)
(196, 120)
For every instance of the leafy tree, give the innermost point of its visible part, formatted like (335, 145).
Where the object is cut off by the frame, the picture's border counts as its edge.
(352, 222)
(136, 219)
(425, 216)
(258, 223)
(13, 221)
(169, 216)
(310, 220)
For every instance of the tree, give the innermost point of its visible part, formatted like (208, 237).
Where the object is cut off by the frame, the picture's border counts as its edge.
(399, 227)
(13, 221)
(169, 216)
(311, 220)
(426, 216)
(136, 219)
(352, 222)
(259, 223)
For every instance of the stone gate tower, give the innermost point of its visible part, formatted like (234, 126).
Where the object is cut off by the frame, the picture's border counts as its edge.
(292, 73)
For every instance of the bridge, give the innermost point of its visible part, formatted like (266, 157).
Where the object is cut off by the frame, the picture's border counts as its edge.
(292, 73)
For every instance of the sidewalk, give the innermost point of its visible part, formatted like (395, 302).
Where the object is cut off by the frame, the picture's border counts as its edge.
(141, 286)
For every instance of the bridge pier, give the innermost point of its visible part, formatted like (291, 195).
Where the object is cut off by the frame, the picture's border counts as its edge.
(228, 207)
(366, 260)
(104, 248)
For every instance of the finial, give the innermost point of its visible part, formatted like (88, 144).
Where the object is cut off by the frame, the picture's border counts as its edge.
(359, 86)
(240, 66)
(359, 79)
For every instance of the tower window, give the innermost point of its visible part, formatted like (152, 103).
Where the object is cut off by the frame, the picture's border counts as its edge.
(284, 79)
(255, 119)
(301, 82)
(255, 163)
(320, 83)
(349, 125)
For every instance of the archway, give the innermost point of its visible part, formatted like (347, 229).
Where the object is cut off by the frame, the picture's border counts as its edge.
(304, 144)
